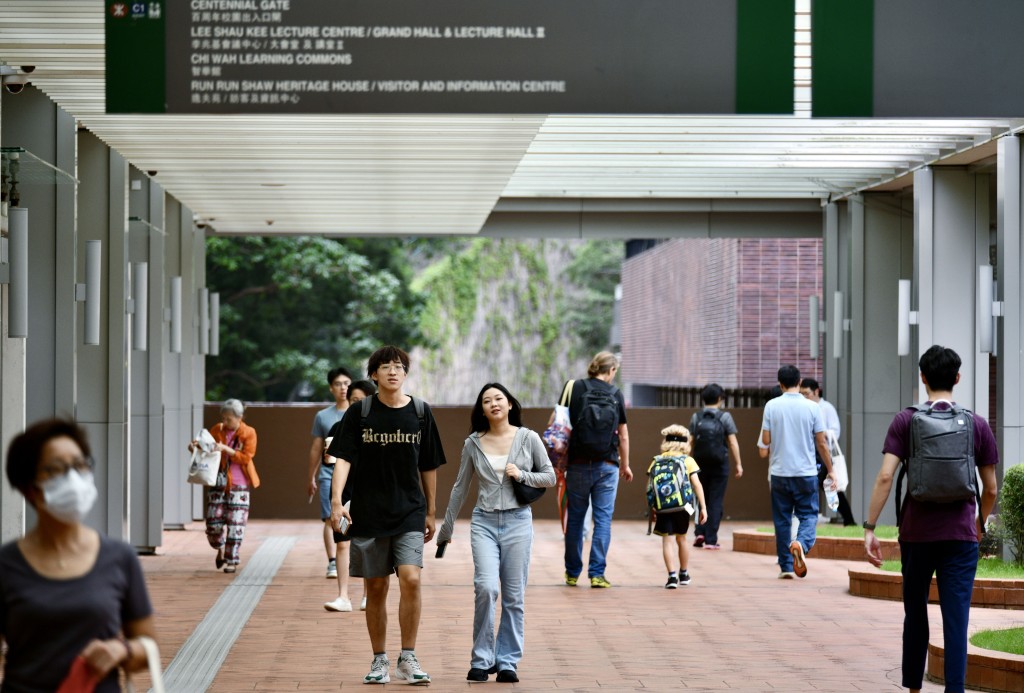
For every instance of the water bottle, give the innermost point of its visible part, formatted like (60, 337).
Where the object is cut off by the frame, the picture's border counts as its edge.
(831, 495)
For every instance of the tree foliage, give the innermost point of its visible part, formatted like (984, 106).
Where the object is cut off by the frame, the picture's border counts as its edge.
(294, 307)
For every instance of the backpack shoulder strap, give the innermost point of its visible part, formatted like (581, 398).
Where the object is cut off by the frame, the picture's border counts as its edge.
(417, 403)
(364, 410)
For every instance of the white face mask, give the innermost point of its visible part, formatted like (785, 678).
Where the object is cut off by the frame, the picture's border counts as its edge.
(70, 497)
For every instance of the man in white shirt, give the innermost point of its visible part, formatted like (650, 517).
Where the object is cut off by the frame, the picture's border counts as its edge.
(811, 389)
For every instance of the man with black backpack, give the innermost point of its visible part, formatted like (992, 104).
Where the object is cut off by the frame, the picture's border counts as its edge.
(598, 456)
(714, 439)
(943, 448)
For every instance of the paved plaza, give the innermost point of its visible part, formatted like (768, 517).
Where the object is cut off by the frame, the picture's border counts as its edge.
(735, 628)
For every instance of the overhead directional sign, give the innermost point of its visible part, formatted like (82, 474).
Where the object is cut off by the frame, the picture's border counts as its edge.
(450, 56)
(917, 58)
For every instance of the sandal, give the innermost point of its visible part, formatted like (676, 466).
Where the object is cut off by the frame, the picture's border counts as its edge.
(229, 569)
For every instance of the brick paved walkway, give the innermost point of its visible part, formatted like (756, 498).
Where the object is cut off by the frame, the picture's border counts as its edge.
(736, 628)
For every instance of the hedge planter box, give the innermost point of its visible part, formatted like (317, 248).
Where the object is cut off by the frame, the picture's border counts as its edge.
(840, 548)
(992, 593)
(987, 670)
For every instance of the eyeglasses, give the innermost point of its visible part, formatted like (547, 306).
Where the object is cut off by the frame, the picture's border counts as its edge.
(390, 368)
(51, 469)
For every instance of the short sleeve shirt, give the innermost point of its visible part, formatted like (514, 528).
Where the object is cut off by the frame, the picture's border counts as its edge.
(793, 420)
(324, 419)
(924, 521)
(47, 622)
(387, 457)
(576, 402)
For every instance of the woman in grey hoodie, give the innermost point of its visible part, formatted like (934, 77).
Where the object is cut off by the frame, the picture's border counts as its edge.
(501, 532)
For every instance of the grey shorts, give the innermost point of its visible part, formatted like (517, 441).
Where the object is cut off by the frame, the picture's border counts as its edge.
(377, 556)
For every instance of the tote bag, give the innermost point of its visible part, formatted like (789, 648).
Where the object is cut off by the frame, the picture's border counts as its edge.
(205, 460)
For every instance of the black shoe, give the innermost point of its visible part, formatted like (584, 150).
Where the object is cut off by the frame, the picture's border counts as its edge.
(507, 676)
(219, 560)
(477, 675)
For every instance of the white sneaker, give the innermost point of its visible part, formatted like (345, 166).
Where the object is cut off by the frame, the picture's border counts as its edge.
(378, 670)
(787, 575)
(332, 569)
(339, 604)
(409, 669)
(362, 604)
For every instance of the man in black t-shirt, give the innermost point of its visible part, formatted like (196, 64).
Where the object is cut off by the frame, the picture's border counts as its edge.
(392, 454)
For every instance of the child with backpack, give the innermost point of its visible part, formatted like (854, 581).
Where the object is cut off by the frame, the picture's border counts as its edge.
(674, 494)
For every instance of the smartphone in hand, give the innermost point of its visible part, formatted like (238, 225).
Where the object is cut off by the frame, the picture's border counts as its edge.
(440, 549)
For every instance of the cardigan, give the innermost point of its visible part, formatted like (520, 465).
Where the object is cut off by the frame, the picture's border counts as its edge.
(495, 487)
(245, 451)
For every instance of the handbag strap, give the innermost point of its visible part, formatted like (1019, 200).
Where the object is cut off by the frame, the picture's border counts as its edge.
(156, 675)
(566, 394)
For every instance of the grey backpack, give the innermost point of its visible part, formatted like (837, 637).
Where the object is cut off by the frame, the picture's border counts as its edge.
(940, 467)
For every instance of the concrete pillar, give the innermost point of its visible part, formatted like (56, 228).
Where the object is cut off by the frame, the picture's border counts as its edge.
(146, 244)
(881, 253)
(104, 370)
(46, 358)
(951, 238)
(1010, 290)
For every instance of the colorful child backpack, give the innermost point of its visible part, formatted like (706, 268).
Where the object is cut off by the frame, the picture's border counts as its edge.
(668, 485)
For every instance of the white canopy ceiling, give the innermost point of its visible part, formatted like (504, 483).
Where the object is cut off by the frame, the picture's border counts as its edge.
(443, 174)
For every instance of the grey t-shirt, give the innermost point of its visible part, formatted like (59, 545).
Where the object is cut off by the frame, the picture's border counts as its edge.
(324, 419)
(47, 622)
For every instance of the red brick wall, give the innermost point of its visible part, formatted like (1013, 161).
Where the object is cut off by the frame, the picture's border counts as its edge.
(724, 310)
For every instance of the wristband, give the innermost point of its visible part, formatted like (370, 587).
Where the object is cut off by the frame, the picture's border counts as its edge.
(127, 649)
(868, 525)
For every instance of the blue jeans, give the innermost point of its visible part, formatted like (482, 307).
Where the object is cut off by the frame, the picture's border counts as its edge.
(954, 564)
(794, 495)
(589, 484)
(501, 544)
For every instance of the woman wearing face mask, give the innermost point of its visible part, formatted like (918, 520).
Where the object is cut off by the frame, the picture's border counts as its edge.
(227, 503)
(501, 531)
(69, 596)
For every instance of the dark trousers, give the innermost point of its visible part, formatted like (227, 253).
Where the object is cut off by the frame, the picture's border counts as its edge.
(845, 511)
(954, 564)
(714, 496)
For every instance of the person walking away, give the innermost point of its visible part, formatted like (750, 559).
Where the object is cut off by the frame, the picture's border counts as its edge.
(70, 597)
(936, 538)
(672, 526)
(811, 389)
(391, 447)
(793, 428)
(713, 442)
(320, 471)
(498, 451)
(227, 502)
(598, 456)
(357, 392)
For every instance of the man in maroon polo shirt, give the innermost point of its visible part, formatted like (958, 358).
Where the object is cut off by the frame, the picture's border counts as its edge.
(935, 538)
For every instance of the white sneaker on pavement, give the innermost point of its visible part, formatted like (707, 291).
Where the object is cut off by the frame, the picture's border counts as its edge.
(339, 604)
(378, 670)
(409, 669)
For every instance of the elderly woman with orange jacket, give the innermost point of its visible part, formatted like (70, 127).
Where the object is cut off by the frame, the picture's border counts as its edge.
(227, 502)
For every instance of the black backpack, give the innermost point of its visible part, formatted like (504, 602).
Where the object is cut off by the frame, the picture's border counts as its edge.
(940, 466)
(709, 448)
(594, 430)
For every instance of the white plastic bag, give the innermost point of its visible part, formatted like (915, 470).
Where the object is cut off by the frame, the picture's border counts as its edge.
(839, 466)
(205, 460)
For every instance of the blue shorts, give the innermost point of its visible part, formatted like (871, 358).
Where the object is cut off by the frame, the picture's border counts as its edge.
(323, 486)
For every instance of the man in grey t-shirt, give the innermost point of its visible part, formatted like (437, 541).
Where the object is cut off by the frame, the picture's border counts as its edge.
(320, 473)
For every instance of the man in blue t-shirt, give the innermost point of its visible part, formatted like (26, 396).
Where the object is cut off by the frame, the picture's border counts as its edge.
(320, 472)
(791, 429)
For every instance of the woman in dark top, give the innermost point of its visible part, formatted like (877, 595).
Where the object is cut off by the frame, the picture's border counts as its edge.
(66, 591)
